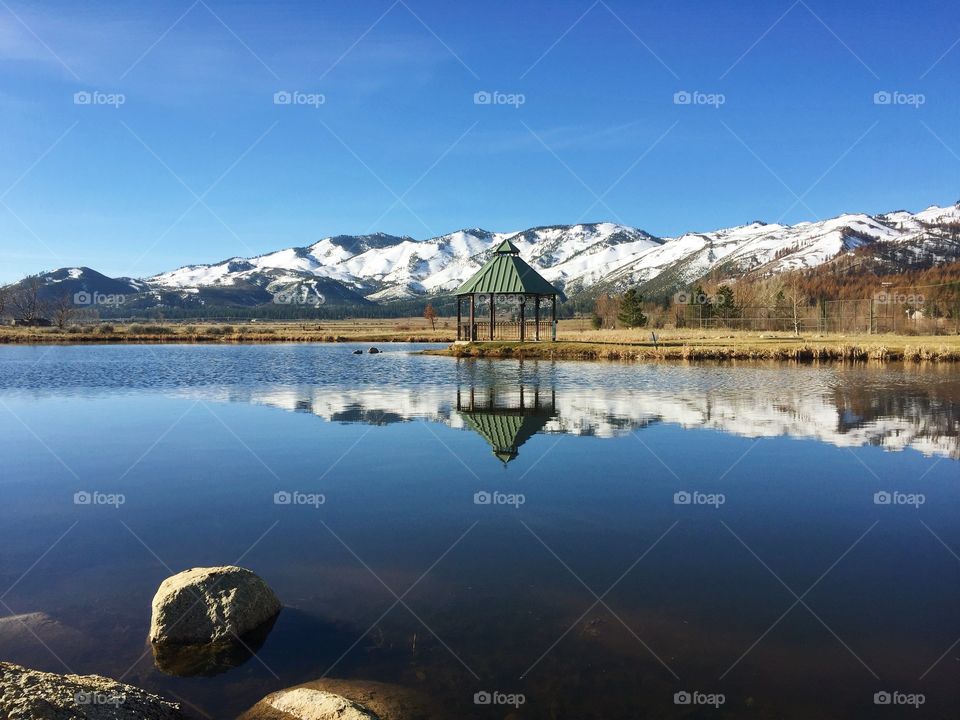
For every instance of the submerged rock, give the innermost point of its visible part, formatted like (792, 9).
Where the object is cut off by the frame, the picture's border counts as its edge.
(358, 352)
(373, 351)
(26, 633)
(209, 659)
(328, 699)
(33, 695)
(210, 605)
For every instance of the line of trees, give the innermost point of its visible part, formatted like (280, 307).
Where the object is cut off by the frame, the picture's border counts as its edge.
(25, 304)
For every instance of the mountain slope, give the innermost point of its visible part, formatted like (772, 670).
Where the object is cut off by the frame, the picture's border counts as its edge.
(584, 258)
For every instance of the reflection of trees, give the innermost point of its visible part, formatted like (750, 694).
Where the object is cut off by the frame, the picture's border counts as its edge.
(933, 416)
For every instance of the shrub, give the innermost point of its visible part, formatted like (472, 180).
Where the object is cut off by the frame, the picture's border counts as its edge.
(137, 329)
(219, 330)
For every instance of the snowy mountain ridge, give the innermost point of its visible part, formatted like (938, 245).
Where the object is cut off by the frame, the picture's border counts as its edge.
(383, 267)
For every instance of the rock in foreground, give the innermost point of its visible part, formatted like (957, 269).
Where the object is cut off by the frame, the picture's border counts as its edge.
(206, 605)
(33, 695)
(343, 700)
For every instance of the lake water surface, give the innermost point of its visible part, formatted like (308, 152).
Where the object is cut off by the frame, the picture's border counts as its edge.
(595, 538)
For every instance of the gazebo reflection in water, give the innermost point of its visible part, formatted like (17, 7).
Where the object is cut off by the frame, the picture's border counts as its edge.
(506, 417)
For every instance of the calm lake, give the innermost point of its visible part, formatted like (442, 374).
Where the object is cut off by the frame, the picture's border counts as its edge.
(594, 540)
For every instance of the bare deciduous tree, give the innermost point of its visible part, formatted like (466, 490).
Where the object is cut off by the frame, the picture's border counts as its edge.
(4, 299)
(607, 308)
(62, 310)
(28, 306)
(431, 315)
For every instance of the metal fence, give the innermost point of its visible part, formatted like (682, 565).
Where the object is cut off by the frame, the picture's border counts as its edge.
(830, 316)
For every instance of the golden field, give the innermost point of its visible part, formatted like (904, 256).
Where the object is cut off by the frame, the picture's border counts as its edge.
(575, 340)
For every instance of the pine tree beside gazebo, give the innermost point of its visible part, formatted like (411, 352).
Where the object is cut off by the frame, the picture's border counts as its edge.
(507, 278)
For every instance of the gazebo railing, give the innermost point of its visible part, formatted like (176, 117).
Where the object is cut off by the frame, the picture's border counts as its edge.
(506, 330)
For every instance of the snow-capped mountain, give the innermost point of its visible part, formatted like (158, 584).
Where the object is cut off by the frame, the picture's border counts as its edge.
(380, 268)
(577, 257)
(384, 267)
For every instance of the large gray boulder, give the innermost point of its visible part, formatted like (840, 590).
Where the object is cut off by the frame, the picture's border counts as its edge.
(329, 699)
(210, 605)
(33, 695)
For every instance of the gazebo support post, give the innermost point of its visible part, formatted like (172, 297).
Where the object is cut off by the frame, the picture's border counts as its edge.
(536, 318)
(523, 319)
(554, 328)
(458, 318)
(473, 323)
(493, 315)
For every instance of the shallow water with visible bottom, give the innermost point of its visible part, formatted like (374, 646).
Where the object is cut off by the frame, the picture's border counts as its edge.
(580, 540)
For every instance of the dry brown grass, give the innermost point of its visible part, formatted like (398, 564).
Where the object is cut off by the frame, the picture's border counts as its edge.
(575, 340)
(628, 345)
(240, 331)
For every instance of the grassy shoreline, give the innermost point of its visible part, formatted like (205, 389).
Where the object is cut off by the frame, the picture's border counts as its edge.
(850, 349)
(230, 333)
(575, 342)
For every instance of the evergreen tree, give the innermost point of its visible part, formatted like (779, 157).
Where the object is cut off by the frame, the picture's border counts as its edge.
(631, 310)
(725, 304)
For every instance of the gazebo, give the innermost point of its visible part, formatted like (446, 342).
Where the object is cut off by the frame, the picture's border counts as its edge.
(506, 419)
(508, 281)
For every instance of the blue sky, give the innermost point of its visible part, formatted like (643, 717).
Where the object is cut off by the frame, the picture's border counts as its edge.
(199, 163)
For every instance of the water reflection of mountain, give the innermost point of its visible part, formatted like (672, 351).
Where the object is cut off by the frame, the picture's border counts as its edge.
(845, 415)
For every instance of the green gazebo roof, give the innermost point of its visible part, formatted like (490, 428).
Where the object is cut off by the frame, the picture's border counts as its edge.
(506, 432)
(506, 272)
